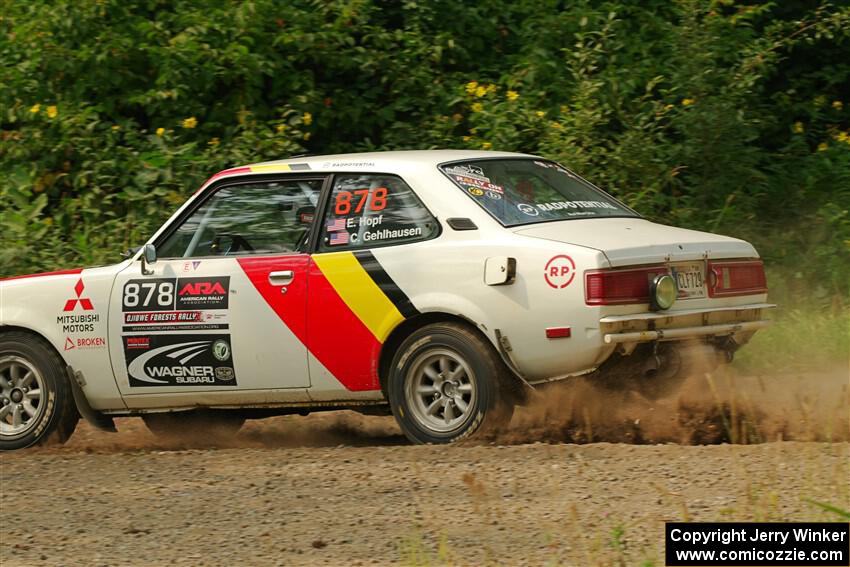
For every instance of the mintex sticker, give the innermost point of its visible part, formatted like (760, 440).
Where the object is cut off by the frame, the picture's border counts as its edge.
(179, 360)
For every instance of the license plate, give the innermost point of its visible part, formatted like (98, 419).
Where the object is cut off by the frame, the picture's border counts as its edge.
(690, 279)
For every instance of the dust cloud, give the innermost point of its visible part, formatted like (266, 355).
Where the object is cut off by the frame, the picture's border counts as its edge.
(710, 408)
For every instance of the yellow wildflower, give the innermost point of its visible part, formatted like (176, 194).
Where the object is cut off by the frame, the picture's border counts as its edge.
(841, 137)
(471, 86)
(687, 101)
(837, 104)
(115, 127)
(306, 136)
(668, 107)
(491, 88)
(160, 132)
(512, 95)
(214, 142)
(52, 111)
(798, 128)
(487, 145)
(307, 118)
(556, 125)
(477, 107)
(467, 138)
(457, 117)
(823, 146)
(281, 128)
(540, 114)
(35, 108)
(190, 122)
(480, 91)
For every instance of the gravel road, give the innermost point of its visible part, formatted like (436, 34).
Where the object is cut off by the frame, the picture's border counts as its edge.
(344, 489)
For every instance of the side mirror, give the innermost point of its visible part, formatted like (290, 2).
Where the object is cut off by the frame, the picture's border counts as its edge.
(148, 258)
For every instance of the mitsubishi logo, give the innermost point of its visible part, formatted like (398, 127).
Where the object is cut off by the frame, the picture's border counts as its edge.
(84, 302)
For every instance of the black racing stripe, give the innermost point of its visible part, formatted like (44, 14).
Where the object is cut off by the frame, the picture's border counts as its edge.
(386, 283)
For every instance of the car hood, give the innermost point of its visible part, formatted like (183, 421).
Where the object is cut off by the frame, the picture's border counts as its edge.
(630, 241)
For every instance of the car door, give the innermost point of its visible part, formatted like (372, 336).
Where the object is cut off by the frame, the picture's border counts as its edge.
(355, 302)
(208, 316)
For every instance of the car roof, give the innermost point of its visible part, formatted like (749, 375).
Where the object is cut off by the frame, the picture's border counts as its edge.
(380, 160)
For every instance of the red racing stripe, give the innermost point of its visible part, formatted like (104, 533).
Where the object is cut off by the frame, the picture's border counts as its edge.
(44, 274)
(337, 337)
(291, 306)
(324, 324)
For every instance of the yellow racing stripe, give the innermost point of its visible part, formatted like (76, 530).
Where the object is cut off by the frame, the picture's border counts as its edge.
(270, 168)
(360, 292)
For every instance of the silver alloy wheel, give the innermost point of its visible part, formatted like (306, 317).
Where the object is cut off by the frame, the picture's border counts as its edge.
(441, 390)
(22, 394)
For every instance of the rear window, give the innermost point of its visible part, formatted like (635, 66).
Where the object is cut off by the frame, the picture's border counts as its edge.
(526, 191)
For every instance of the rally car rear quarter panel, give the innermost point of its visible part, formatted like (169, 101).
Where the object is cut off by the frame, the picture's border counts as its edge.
(448, 276)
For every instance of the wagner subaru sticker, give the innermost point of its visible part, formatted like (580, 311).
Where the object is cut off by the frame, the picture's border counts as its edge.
(179, 360)
(221, 350)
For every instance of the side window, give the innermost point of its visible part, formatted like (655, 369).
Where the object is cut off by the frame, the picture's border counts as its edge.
(270, 217)
(374, 210)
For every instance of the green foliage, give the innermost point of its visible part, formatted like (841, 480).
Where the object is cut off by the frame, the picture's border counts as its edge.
(709, 114)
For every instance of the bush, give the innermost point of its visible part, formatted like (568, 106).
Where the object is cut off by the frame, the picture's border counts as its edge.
(714, 115)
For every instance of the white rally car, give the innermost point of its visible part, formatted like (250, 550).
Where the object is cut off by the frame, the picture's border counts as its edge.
(444, 286)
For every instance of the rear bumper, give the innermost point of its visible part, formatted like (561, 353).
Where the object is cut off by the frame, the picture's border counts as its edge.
(685, 332)
(691, 323)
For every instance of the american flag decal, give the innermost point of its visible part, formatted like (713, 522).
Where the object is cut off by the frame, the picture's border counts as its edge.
(336, 225)
(337, 238)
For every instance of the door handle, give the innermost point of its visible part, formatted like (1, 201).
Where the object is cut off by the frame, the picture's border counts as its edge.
(283, 277)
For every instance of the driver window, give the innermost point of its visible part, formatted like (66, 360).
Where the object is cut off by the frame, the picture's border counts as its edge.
(270, 217)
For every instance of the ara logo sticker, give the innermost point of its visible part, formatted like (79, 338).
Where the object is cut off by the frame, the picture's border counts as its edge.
(202, 288)
(179, 360)
(83, 302)
(560, 271)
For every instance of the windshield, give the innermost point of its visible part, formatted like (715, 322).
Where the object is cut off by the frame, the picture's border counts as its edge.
(525, 191)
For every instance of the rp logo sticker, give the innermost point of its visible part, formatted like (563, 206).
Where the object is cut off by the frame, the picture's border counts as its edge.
(560, 271)
(530, 210)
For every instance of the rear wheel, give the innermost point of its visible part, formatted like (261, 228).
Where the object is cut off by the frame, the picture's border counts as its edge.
(446, 384)
(195, 424)
(36, 403)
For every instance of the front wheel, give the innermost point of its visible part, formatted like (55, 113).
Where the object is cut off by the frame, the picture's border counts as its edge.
(446, 384)
(36, 403)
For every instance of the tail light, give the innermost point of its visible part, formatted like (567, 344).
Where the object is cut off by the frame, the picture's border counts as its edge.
(616, 287)
(736, 278)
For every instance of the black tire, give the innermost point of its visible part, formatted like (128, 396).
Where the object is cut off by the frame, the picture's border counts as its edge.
(194, 424)
(665, 382)
(465, 366)
(27, 363)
